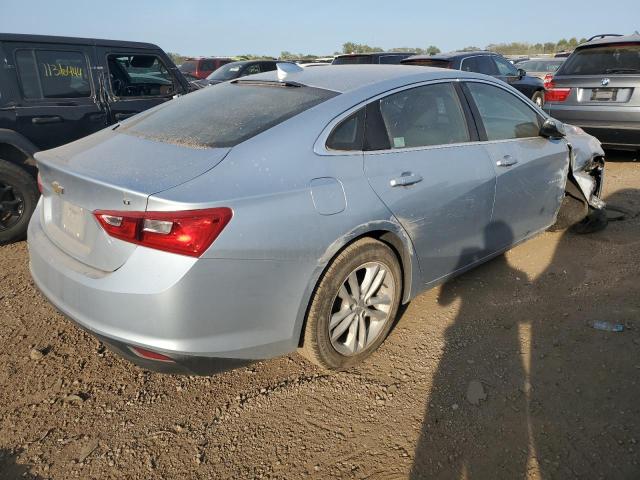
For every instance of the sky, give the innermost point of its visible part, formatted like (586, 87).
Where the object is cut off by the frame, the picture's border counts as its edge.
(199, 27)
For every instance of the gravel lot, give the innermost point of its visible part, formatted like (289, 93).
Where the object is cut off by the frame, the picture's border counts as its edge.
(497, 374)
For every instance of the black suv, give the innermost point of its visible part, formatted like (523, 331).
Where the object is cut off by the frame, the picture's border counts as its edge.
(54, 90)
(386, 58)
(489, 63)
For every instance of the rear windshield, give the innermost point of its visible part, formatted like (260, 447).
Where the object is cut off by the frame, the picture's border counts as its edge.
(353, 60)
(227, 72)
(605, 60)
(424, 62)
(188, 66)
(224, 115)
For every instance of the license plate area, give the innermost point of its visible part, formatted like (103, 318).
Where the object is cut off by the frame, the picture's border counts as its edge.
(72, 220)
(604, 94)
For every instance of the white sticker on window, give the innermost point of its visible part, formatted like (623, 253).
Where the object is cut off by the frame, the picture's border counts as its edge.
(398, 142)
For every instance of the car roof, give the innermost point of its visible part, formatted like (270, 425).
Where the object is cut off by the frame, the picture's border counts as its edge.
(372, 54)
(450, 55)
(345, 78)
(28, 38)
(545, 59)
(633, 38)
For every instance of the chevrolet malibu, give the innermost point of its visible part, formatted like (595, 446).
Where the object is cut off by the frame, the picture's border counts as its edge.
(296, 209)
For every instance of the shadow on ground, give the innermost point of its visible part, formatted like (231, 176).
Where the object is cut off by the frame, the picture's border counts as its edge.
(10, 469)
(526, 387)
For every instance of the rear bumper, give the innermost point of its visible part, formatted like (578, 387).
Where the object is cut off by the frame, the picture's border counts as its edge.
(207, 315)
(615, 127)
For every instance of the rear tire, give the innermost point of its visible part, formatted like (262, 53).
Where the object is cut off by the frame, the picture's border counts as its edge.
(18, 199)
(538, 98)
(346, 324)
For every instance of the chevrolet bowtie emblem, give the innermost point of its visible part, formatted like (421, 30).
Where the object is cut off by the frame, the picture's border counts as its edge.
(57, 188)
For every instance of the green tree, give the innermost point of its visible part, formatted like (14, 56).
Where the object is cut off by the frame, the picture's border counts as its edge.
(433, 50)
(470, 49)
(549, 47)
(573, 42)
(351, 47)
(176, 58)
(583, 40)
(562, 45)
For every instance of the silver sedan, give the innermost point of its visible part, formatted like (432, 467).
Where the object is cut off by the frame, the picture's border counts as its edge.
(296, 209)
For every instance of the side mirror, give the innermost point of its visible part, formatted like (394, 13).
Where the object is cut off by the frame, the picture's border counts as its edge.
(521, 72)
(552, 129)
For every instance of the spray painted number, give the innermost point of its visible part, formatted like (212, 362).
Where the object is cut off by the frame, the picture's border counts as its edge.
(59, 70)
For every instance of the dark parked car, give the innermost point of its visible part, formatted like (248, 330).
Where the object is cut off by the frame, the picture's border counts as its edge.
(234, 70)
(202, 67)
(54, 90)
(489, 63)
(540, 67)
(598, 88)
(384, 58)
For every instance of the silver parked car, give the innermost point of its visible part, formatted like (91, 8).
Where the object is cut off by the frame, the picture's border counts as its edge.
(598, 89)
(295, 209)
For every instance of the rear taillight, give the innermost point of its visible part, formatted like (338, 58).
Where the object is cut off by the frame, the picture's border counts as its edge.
(548, 79)
(553, 93)
(188, 232)
(40, 187)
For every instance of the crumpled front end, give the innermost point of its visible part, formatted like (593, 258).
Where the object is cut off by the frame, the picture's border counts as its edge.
(587, 166)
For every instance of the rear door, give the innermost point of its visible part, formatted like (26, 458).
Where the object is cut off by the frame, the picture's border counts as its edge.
(423, 164)
(531, 170)
(136, 80)
(59, 101)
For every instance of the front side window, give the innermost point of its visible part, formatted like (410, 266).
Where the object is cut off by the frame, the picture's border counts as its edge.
(505, 67)
(391, 59)
(504, 115)
(349, 134)
(251, 69)
(224, 116)
(53, 74)
(139, 76)
(423, 116)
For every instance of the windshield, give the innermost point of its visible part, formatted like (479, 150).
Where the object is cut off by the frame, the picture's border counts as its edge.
(188, 66)
(608, 59)
(548, 66)
(225, 115)
(227, 72)
(353, 60)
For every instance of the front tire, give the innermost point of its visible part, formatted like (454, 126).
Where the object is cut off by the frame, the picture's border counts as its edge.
(354, 306)
(18, 199)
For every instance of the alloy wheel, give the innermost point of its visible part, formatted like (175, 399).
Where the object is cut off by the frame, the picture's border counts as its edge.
(361, 308)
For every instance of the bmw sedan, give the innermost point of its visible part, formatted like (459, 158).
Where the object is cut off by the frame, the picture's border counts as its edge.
(295, 210)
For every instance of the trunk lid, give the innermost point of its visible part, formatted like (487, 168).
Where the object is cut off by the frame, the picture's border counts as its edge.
(600, 90)
(109, 171)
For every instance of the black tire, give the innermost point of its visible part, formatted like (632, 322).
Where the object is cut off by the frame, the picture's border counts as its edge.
(538, 98)
(317, 345)
(18, 198)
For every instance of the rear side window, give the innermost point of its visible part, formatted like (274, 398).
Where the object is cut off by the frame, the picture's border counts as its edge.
(391, 59)
(422, 116)
(349, 134)
(480, 64)
(429, 63)
(224, 115)
(53, 74)
(504, 116)
(605, 60)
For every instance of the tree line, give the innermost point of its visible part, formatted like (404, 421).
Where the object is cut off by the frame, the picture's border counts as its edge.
(513, 48)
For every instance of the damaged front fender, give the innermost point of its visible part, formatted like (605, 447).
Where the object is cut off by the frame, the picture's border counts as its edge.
(586, 172)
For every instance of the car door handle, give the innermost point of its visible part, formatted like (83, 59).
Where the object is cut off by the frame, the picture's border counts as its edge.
(43, 120)
(123, 116)
(507, 161)
(405, 179)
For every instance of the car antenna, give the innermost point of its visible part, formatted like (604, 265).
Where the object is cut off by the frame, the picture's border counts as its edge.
(286, 68)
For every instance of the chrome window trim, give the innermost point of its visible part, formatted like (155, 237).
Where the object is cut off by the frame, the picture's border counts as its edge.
(320, 147)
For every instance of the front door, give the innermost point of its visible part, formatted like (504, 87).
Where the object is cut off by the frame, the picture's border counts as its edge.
(135, 80)
(531, 170)
(59, 97)
(438, 185)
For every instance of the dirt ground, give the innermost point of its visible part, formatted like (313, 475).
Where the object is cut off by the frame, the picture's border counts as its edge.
(497, 374)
